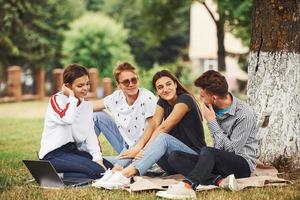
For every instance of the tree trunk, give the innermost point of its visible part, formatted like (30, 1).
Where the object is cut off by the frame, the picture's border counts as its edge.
(274, 80)
(221, 46)
(220, 23)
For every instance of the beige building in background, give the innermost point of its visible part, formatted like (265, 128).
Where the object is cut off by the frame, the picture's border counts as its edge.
(204, 46)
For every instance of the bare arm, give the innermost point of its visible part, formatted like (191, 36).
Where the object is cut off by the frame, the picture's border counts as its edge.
(156, 126)
(153, 123)
(98, 105)
(172, 120)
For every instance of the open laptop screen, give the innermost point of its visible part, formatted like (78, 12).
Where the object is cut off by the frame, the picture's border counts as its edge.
(46, 176)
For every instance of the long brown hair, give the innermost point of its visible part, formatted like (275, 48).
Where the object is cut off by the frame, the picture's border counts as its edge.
(180, 88)
(165, 73)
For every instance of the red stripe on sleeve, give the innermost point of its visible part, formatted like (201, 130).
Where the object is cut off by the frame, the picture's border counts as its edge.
(56, 108)
(55, 104)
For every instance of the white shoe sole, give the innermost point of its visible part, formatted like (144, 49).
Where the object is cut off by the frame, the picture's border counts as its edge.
(97, 184)
(101, 184)
(115, 186)
(233, 186)
(164, 194)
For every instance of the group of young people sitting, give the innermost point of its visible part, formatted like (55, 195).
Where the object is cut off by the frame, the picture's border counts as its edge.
(145, 129)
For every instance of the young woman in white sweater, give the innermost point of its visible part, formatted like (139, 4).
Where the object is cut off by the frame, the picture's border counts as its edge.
(69, 141)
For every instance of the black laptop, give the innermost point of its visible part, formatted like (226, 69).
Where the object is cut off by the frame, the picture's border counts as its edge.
(46, 176)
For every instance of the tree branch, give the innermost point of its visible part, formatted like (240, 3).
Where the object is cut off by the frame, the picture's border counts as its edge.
(208, 10)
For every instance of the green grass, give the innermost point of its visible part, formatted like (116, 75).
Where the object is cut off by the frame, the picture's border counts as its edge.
(21, 126)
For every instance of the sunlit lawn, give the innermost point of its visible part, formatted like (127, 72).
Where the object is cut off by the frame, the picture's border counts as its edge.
(21, 125)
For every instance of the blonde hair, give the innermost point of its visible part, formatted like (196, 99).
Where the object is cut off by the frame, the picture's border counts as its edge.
(121, 67)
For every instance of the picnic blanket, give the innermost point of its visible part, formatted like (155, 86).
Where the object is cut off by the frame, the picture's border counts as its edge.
(263, 176)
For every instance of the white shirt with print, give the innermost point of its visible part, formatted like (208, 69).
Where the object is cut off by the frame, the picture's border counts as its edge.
(131, 119)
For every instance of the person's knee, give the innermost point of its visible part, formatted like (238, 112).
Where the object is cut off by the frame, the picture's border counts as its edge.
(161, 140)
(101, 118)
(163, 136)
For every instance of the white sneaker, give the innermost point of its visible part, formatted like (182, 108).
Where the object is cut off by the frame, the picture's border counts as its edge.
(104, 178)
(116, 181)
(177, 191)
(230, 183)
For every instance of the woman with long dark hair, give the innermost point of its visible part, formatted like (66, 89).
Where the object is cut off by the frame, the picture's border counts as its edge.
(175, 126)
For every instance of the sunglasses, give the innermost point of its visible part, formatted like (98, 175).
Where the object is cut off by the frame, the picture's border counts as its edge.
(127, 82)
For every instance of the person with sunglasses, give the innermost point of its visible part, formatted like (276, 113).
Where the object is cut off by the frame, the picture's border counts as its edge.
(176, 126)
(130, 108)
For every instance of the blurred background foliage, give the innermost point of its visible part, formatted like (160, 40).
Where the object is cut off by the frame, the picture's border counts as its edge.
(96, 40)
(157, 32)
(153, 34)
(32, 32)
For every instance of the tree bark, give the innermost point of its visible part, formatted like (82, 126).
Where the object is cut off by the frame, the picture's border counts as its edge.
(221, 47)
(274, 80)
(220, 23)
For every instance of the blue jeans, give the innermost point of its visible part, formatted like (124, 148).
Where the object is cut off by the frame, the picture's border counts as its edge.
(106, 125)
(73, 163)
(162, 145)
